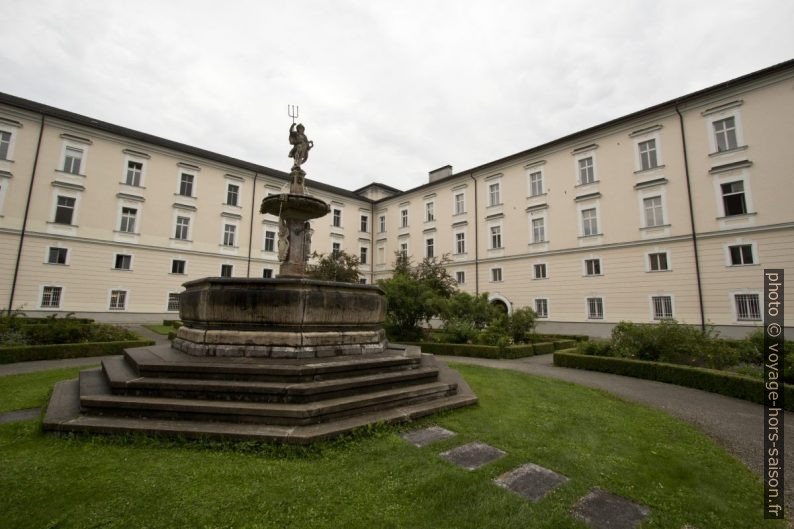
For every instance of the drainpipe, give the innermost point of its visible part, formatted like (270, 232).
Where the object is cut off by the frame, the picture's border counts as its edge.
(25, 218)
(251, 227)
(692, 220)
(372, 242)
(476, 241)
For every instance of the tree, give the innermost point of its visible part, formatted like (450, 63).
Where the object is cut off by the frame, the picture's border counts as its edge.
(475, 309)
(336, 266)
(433, 272)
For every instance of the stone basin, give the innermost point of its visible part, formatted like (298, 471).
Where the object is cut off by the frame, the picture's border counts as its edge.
(294, 206)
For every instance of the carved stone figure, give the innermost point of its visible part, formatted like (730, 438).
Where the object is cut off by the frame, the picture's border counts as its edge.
(283, 240)
(307, 240)
(300, 145)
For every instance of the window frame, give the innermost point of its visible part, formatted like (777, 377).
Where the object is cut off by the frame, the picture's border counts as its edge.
(61, 291)
(116, 256)
(459, 206)
(535, 270)
(496, 271)
(229, 237)
(653, 306)
(460, 277)
(123, 225)
(734, 297)
(596, 219)
(66, 255)
(363, 223)
(656, 210)
(597, 263)
(459, 240)
(381, 223)
(733, 111)
(724, 196)
(430, 244)
(494, 193)
(430, 214)
(60, 193)
(168, 302)
(272, 240)
(533, 229)
(541, 183)
(193, 185)
(269, 271)
(336, 217)
(237, 194)
(544, 315)
(404, 217)
(600, 304)
(741, 244)
(495, 237)
(363, 255)
(124, 301)
(225, 266)
(12, 131)
(578, 159)
(649, 261)
(186, 228)
(70, 146)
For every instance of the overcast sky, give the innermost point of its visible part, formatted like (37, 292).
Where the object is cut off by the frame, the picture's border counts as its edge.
(387, 90)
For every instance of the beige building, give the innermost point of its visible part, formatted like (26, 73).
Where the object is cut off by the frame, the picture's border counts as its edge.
(672, 211)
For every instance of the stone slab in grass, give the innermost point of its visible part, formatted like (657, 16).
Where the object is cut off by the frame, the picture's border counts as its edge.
(20, 415)
(530, 481)
(603, 510)
(473, 455)
(425, 436)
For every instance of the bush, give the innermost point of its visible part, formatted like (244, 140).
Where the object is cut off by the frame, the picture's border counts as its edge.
(542, 348)
(458, 331)
(464, 307)
(520, 324)
(24, 353)
(53, 330)
(337, 266)
(595, 348)
(172, 323)
(564, 344)
(478, 351)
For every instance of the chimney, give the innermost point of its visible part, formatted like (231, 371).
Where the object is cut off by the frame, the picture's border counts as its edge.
(441, 172)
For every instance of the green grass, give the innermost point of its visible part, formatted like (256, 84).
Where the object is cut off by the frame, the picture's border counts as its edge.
(30, 390)
(160, 329)
(377, 480)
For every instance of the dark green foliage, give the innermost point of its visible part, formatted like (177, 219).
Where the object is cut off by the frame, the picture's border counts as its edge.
(24, 353)
(595, 348)
(172, 323)
(172, 335)
(432, 271)
(564, 344)
(480, 351)
(543, 348)
(15, 331)
(465, 307)
(520, 324)
(337, 266)
(536, 337)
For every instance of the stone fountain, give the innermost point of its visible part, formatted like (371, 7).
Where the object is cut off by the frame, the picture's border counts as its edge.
(290, 359)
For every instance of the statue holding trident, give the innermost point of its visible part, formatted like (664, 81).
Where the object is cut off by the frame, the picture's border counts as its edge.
(301, 145)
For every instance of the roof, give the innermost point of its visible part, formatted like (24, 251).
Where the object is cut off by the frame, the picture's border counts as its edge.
(378, 184)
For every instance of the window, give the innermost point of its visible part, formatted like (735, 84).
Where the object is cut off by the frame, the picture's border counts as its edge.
(460, 277)
(493, 194)
(589, 222)
(381, 255)
(653, 211)
(362, 281)
(733, 198)
(364, 223)
(336, 248)
(229, 230)
(337, 218)
(5, 144)
(741, 254)
(403, 218)
(460, 242)
(123, 262)
(586, 171)
(429, 247)
(540, 271)
(496, 274)
(177, 266)
(662, 307)
(173, 302)
(595, 308)
(51, 297)
(363, 255)
(57, 255)
(496, 236)
(725, 134)
(382, 223)
(658, 262)
(647, 151)
(535, 184)
(270, 241)
(429, 214)
(128, 216)
(118, 299)
(232, 194)
(592, 267)
(542, 308)
(182, 227)
(64, 210)
(460, 204)
(747, 307)
(72, 159)
(404, 249)
(538, 230)
(186, 185)
(134, 171)
(227, 270)
(267, 273)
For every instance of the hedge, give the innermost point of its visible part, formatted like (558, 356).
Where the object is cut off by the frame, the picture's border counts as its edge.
(483, 351)
(24, 353)
(558, 337)
(713, 380)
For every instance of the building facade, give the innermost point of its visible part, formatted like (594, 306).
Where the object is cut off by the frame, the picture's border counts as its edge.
(672, 211)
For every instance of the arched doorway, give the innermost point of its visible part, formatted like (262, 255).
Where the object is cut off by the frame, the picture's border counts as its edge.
(501, 303)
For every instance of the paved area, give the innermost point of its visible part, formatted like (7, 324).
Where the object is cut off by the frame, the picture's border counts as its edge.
(530, 481)
(425, 436)
(603, 510)
(19, 415)
(473, 455)
(735, 424)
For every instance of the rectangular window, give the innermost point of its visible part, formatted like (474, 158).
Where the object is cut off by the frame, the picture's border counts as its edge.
(535, 184)
(592, 267)
(227, 270)
(496, 236)
(177, 266)
(653, 211)
(381, 255)
(182, 227)
(186, 185)
(64, 210)
(364, 223)
(72, 159)
(134, 171)
(267, 273)
(382, 223)
(747, 307)
(586, 171)
(232, 194)
(336, 248)
(496, 274)
(595, 308)
(404, 218)
(542, 308)
(57, 255)
(589, 222)
(51, 297)
(123, 262)
(493, 194)
(538, 230)
(362, 281)
(725, 134)
(5, 144)
(460, 205)
(363, 255)
(429, 247)
(337, 218)
(662, 307)
(460, 243)
(647, 154)
(173, 302)
(118, 299)
(460, 277)
(128, 216)
(429, 213)
(733, 198)
(270, 241)
(229, 231)
(404, 249)
(540, 271)
(658, 261)
(741, 254)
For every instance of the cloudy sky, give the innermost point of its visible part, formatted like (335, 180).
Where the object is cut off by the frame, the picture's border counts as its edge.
(387, 90)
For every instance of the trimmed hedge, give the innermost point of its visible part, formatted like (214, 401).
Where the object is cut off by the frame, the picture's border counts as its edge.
(558, 337)
(24, 353)
(712, 380)
(483, 351)
(564, 344)
(542, 348)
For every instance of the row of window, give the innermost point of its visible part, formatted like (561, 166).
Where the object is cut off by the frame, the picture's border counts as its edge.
(52, 297)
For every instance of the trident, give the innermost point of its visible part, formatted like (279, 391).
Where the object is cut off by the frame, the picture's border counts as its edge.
(292, 111)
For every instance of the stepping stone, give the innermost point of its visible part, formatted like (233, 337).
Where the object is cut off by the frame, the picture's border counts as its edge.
(425, 436)
(19, 415)
(531, 481)
(473, 455)
(604, 510)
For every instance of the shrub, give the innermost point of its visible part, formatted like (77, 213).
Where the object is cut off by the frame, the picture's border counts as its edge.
(595, 348)
(520, 324)
(478, 351)
(26, 353)
(336, 266)
(542, 348)
(564, 344)
(457, 331)
(465, 307)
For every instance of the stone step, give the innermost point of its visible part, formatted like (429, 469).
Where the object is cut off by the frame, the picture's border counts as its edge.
(124, 380)
(96, 398)
(165, 362)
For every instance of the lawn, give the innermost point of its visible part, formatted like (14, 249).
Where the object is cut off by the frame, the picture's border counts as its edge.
(376, 480)
(160, 329)
(30, 390)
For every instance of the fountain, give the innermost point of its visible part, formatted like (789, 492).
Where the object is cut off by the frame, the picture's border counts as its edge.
(291, 359)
